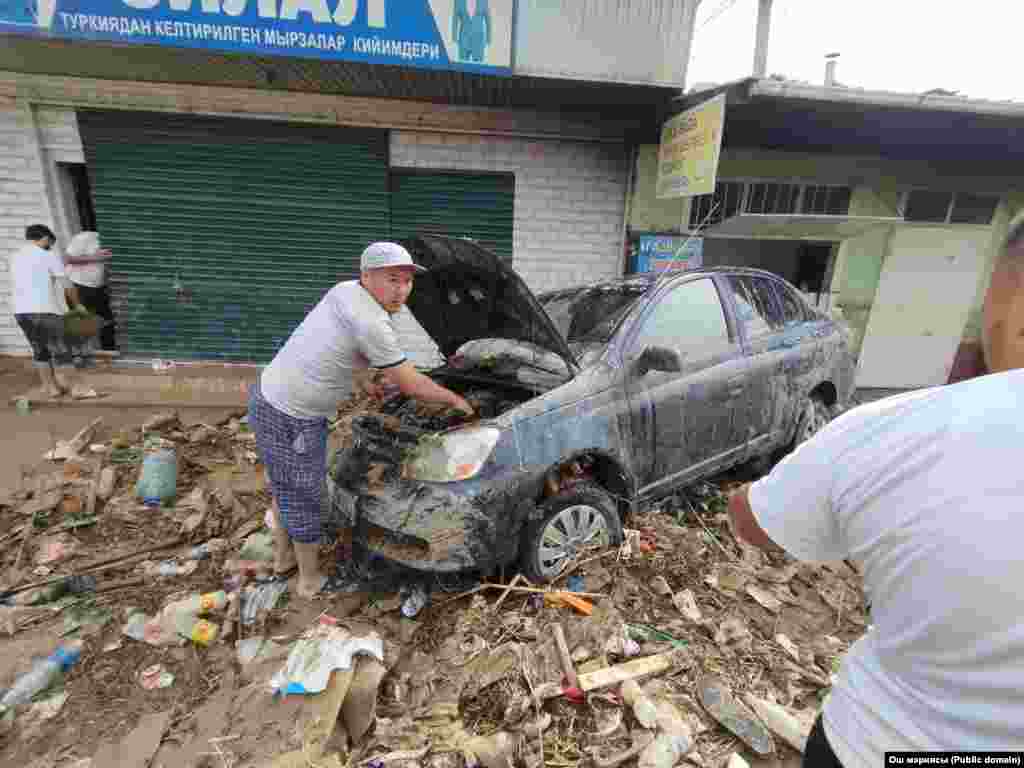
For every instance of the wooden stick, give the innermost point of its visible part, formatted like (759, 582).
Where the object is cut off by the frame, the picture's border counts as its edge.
(581, 563)
(99, 565)
(507, 592)
(533, 590)
(630, 670)
(563, 653)
(539, 591)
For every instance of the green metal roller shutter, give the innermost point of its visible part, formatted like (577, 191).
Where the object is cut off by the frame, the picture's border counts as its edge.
(227, 232)
(474, 205)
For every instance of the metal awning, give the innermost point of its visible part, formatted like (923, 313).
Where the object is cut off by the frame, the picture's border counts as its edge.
(783, 226)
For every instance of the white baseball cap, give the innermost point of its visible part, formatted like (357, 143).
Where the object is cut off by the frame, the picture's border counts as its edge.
(383, 254)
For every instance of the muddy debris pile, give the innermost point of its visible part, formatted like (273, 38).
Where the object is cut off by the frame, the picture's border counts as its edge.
(140, 565)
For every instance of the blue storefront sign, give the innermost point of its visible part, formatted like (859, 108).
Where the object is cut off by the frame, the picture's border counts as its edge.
(471, 35)
(657, 253)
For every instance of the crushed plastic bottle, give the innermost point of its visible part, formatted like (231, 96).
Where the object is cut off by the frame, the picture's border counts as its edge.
(414, 598)
(203, 551)
(42, 675)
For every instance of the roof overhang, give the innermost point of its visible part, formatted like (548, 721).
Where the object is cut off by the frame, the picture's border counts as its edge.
(778, 226)
(801, 117)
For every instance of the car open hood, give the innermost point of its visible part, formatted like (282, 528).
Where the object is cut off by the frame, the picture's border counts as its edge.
(469, 293)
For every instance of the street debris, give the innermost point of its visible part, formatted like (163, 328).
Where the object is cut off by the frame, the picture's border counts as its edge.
(682, 646)
(155, 676)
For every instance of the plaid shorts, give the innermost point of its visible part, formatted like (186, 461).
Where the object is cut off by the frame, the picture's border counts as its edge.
(45, 333)
(294, 452)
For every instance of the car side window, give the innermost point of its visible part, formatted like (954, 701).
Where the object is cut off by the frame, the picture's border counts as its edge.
(755, 305)
(690, 320)
(792, 307)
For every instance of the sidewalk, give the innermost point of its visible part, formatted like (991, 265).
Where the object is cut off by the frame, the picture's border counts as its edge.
(136, 386)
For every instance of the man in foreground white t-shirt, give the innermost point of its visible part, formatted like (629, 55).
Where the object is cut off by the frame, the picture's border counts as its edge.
(349, 331)
(924, 492)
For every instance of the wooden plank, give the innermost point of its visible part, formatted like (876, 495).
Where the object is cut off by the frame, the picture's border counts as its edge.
(630, 670)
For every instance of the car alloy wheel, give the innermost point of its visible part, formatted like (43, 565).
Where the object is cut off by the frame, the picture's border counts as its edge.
(574, 521)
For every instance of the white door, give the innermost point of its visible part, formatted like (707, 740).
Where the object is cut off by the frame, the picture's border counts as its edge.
(927, 287)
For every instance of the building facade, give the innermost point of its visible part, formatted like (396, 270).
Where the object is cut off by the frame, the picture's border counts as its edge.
(887, 214)
(238, 157)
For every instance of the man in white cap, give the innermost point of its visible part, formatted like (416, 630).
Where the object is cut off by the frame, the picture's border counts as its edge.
(348, 331)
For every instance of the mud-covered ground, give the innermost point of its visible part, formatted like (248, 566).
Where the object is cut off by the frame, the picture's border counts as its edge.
(754, 623)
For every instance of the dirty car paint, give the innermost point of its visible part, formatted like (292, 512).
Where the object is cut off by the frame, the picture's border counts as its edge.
(479, 522)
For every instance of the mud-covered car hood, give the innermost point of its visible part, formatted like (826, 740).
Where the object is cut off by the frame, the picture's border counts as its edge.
(468, 293)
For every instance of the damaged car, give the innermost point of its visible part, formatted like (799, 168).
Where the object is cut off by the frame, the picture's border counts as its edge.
(589, 402)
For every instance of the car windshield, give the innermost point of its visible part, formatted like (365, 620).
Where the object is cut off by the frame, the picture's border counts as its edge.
(590, 314)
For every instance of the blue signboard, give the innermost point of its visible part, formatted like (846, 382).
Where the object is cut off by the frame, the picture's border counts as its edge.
(658, 253)
(472, 35)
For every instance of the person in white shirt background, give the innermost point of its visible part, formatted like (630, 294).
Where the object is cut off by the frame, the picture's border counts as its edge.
(86, 267)
(923, 491)
(40, 286)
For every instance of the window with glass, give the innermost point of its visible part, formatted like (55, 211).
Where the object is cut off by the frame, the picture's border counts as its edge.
(688, 319)
(793, 310)
(755, 305)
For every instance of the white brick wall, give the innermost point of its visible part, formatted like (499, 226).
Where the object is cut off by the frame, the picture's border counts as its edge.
(569, 205)
(23, 201)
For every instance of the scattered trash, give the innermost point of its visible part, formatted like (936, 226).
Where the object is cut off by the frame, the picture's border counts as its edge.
(154, 677)
(69, 449)
(23, 406)
(732, 633)
(168, 568)
(728, 711)
(258, 547)
(764, 598)
(72, 585)
(660, 586)
(319, 652)
(162, 366)
(53, 549)
(260, 599)
(686, 603)
(158, 480)
(788, 646)
(414, 599)
(575, 583)
(204, 551)
(254, 649)
(781, 723)
(42, 675)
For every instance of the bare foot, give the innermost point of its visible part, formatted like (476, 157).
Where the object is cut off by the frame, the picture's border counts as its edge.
(55, 392)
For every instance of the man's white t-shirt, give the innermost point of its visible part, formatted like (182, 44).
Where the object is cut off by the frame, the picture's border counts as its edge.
(33, 271)
(90, 275)
(925, 493)
(312, 372)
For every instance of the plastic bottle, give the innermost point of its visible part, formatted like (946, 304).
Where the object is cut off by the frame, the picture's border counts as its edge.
(203, 551)
(158, 479)
(42, 675)
(199, 605)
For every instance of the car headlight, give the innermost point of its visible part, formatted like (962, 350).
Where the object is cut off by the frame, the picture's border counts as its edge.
(452, 456)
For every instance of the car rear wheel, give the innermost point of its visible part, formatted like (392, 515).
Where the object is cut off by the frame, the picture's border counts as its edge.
(813, 419)
(577, 519)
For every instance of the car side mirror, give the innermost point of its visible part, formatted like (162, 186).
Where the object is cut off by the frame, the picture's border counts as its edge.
(656, 358)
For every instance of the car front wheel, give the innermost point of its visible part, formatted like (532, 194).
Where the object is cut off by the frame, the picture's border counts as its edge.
(572, 522)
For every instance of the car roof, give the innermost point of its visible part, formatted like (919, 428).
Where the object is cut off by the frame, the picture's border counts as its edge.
(647, 280)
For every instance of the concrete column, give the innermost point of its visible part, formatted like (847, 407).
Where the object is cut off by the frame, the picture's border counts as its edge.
(764, 23)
